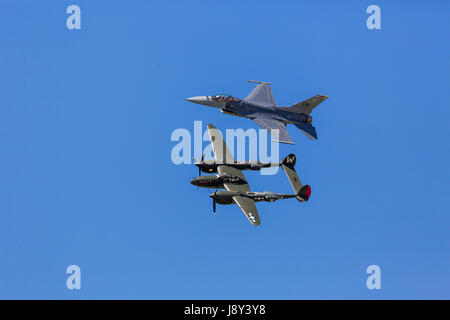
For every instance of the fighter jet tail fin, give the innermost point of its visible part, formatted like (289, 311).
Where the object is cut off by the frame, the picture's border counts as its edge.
(262, 94)
(306, 106)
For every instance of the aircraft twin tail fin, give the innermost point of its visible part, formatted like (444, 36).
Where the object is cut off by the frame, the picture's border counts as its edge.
(303, 192)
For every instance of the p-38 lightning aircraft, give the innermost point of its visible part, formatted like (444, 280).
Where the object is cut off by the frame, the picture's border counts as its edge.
(260, 106)
(237, 189)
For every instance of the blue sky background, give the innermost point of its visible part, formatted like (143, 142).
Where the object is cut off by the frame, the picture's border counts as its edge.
(85, 170)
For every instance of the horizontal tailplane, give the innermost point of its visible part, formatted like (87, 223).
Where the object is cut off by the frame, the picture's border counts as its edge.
(308, 129)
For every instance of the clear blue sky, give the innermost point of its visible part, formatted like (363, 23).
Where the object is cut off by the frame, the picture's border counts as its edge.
(85, 172)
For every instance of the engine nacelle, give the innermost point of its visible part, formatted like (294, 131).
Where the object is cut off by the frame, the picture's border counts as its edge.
(223, 197)
(270, 198)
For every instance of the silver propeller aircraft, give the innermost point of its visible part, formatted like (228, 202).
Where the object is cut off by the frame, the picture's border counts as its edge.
(260, 106)
(236, 185)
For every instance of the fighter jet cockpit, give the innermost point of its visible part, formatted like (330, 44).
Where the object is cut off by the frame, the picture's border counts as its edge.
(223, 98)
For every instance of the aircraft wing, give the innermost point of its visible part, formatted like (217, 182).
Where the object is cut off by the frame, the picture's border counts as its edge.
(271, 124)
(248, 207)
(262, 95)
(221, 153)
(220, 149)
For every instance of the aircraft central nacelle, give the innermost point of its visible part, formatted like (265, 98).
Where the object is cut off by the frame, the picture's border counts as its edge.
(271, 197)
(231, 179)
(217, 181)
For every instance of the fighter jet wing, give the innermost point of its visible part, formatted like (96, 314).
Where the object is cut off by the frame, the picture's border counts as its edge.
(262, 95)
(271, 124)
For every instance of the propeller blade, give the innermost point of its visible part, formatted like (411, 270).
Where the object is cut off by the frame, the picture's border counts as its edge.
(214, 206)
(199, 168)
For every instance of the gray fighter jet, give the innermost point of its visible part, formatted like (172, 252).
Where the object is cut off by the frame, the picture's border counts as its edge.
(260, 106)
(236, 185)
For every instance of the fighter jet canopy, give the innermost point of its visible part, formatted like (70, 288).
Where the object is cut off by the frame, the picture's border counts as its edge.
(223, 97)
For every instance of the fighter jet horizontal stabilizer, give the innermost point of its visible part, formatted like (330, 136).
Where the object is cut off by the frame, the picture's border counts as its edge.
(260, 82)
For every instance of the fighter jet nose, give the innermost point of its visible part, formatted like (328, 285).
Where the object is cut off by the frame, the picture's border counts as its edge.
(205, 100)
(196, 99)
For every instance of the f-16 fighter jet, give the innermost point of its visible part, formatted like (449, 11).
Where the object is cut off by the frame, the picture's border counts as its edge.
(237, 189)
(260, 106)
